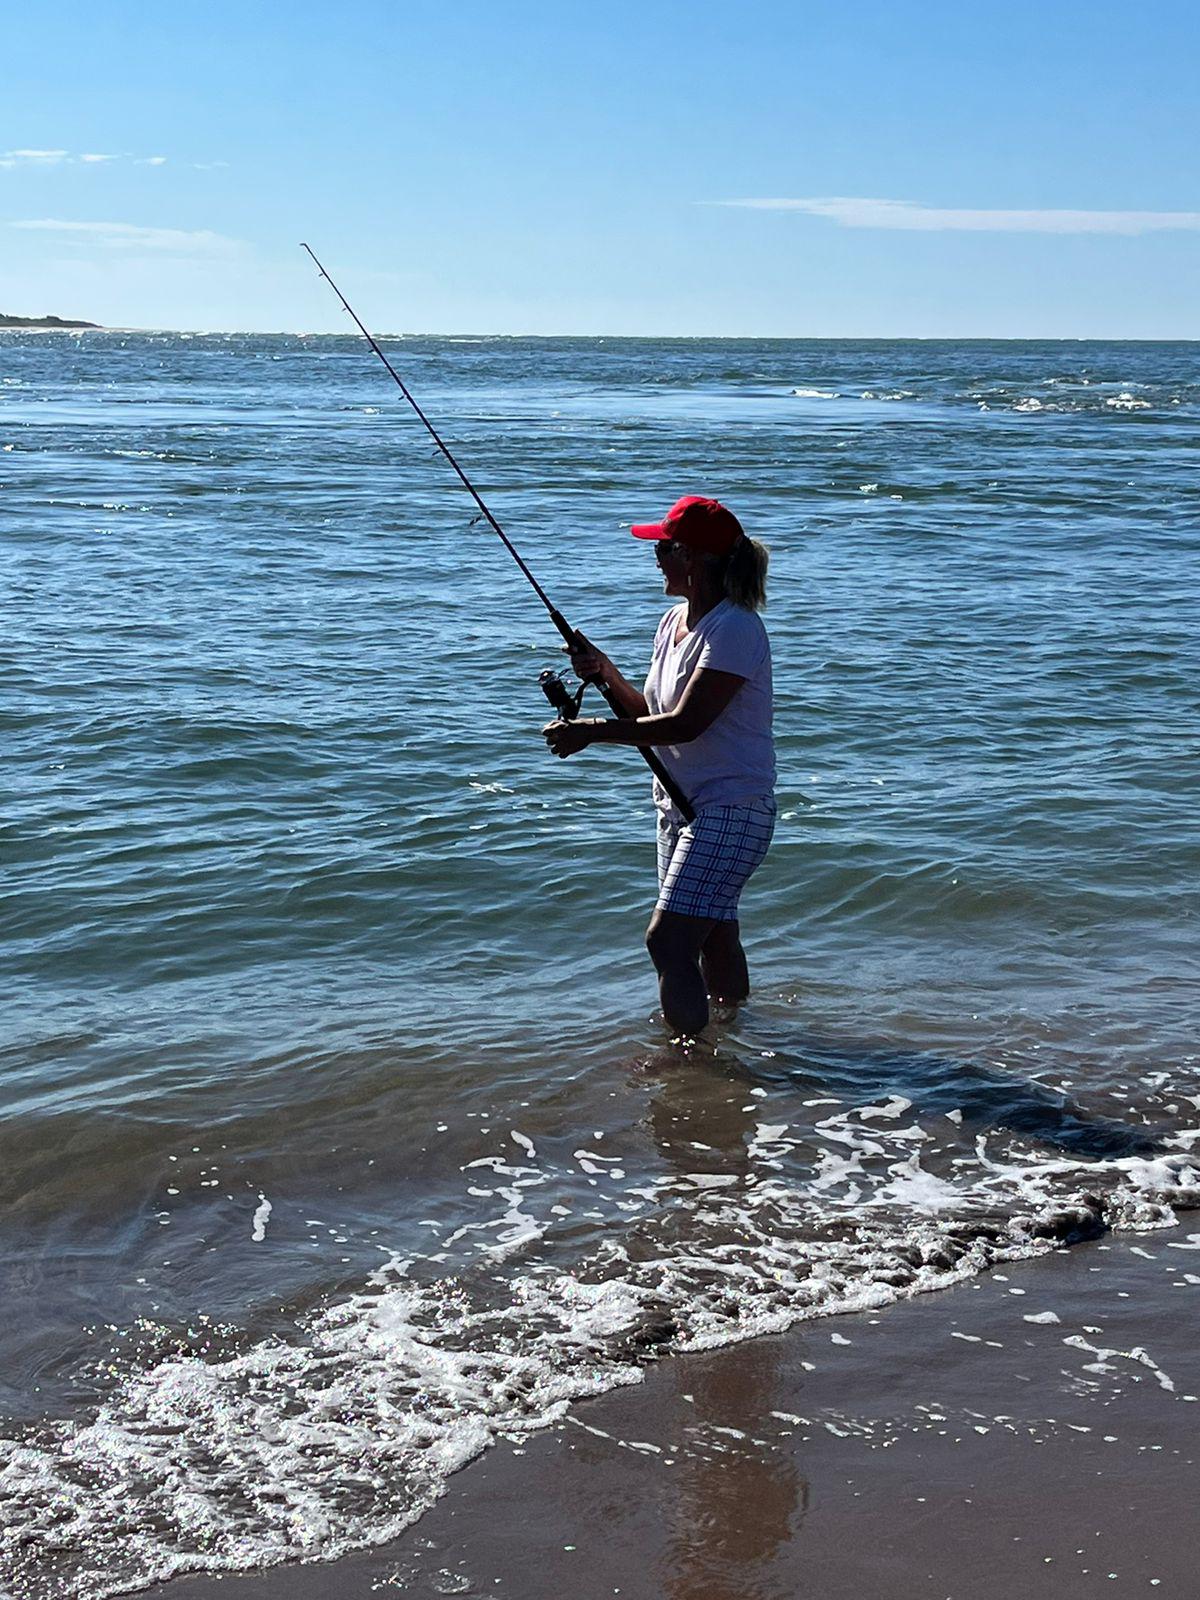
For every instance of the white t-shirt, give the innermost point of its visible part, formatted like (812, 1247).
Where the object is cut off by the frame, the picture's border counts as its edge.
(733, 761)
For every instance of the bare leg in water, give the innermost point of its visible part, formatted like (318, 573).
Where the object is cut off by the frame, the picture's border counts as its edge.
(695, 957)
(723, 963)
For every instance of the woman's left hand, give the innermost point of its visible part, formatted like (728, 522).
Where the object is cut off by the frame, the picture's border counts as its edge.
(567, 738)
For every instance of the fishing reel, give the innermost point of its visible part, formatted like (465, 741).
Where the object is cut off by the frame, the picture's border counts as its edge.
(565, 704)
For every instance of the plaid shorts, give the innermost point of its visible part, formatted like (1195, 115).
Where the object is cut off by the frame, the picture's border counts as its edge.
(703, 865)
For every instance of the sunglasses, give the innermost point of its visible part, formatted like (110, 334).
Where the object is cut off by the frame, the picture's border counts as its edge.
(667, 547)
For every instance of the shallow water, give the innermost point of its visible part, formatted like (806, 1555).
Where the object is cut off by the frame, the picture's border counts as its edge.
(337, 1132)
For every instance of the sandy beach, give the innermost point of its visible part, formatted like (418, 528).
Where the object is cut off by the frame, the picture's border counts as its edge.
(1030, 1432)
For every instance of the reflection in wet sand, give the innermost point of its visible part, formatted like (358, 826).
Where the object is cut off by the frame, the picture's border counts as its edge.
(736, 1498)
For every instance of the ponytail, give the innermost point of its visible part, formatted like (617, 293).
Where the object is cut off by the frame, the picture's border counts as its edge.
(742, 574)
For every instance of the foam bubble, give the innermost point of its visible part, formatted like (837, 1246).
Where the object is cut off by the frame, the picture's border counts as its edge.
(1126, 402)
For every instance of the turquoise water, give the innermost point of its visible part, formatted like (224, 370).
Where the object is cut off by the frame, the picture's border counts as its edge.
(335, 1111)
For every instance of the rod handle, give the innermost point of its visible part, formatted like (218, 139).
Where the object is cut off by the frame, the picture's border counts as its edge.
(678, 798)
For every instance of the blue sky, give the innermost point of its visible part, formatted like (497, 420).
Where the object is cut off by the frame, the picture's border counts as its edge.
(923, 169)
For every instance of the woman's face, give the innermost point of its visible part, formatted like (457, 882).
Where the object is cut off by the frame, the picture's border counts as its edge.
(675, 563)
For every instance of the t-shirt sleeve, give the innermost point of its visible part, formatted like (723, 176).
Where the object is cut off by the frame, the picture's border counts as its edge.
(737, 644)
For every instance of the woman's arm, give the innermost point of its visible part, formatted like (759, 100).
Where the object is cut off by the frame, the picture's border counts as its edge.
(588, 662)
(704, 699)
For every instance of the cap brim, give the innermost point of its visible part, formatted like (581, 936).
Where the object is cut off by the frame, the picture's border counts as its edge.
(649, 530)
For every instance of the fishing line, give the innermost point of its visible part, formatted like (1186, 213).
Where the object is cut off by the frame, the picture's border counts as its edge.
(564, 703)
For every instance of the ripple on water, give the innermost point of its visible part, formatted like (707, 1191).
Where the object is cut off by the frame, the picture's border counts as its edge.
(303, 916)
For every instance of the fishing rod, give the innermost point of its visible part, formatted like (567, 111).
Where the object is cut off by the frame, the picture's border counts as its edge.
(560, 697)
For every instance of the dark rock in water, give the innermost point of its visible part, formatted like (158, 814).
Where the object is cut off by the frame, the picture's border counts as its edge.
(659, 1329)
(970, 1229)
(894, 1277)
(1071, 1225)
(656, 1326)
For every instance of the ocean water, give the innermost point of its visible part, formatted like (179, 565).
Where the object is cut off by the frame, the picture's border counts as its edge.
(338, 1133)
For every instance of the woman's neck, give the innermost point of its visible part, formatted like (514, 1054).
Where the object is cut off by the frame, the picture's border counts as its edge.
(701, 602)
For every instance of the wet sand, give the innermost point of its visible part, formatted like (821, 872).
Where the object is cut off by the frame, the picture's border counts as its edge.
(961, 1446)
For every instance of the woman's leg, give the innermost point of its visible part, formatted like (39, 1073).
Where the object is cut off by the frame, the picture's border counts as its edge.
(674, 942)
(723, 963)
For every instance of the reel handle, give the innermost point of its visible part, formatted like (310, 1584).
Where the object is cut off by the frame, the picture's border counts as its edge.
(560, 697)
(566, 706)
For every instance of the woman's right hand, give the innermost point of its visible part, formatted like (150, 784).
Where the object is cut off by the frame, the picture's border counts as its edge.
(587, 661)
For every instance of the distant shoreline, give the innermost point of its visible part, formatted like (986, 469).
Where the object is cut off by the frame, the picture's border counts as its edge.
(43, 322)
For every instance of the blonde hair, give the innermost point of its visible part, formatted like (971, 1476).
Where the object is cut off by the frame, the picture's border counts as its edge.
(742, 574)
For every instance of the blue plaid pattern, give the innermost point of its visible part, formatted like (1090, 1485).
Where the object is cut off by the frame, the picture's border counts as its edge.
(703, 866)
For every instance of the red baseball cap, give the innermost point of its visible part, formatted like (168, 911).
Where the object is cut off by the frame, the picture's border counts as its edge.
(703, 525)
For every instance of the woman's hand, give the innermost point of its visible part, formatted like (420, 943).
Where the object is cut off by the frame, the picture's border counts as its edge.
(568, 738)
(588, 662)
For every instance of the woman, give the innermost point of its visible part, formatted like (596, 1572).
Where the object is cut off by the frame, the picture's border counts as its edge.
(706, 710)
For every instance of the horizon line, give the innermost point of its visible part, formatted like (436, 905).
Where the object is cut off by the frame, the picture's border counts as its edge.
(729, 338)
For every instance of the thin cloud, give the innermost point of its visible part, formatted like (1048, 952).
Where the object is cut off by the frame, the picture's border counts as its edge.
(33, 158)
(128, 235)
(911, 216)
(67, 158)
